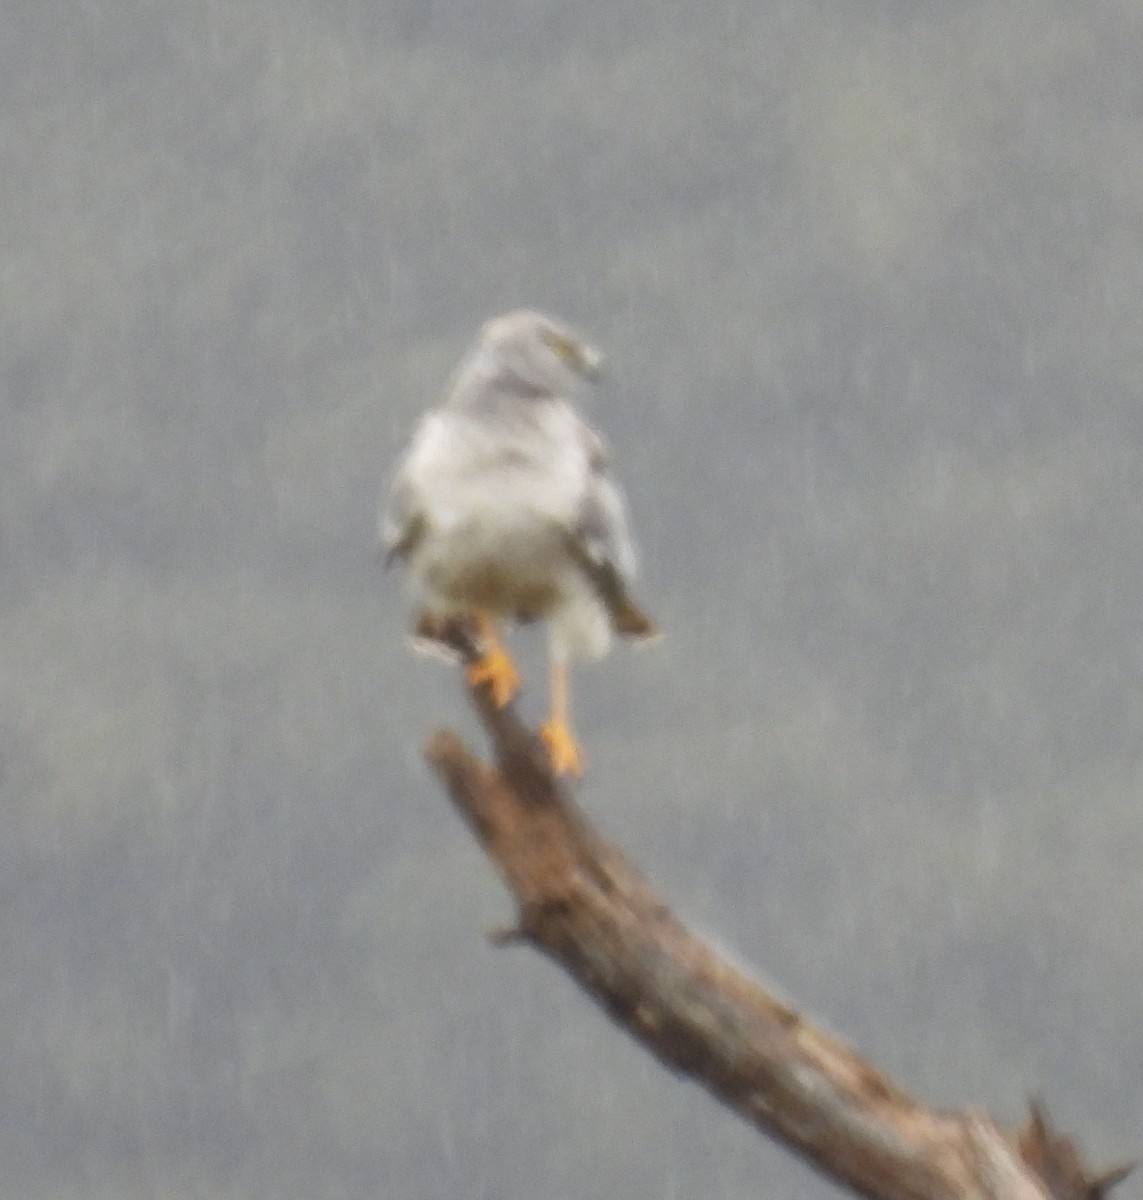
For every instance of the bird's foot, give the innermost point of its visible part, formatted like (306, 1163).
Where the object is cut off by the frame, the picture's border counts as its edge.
(495, 670)
(563, 753)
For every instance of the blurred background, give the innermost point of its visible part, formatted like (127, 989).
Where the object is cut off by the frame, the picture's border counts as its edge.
(869, 280)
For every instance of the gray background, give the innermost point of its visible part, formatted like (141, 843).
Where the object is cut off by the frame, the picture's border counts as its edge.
(869, 279)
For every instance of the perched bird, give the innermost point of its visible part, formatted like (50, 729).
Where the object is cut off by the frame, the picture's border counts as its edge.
(502, 510)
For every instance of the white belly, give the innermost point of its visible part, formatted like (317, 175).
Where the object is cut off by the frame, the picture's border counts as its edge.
(486, 561)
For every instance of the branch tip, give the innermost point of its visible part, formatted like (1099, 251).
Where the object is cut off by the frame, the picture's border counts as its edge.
(1057, 1162)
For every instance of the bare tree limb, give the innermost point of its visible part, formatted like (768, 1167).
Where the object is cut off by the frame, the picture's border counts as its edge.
(581, 903)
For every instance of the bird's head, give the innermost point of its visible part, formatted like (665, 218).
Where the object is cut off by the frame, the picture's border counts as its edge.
(537, 353)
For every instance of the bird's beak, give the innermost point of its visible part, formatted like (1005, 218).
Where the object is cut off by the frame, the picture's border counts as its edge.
(578, 355)
(591, 362)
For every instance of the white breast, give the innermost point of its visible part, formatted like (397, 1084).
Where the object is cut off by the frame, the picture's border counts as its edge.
(497, 494)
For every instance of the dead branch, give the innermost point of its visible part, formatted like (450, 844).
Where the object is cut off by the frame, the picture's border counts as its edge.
(581, 903)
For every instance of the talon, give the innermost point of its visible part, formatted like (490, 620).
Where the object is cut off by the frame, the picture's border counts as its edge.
(562, 749)
(496, 670)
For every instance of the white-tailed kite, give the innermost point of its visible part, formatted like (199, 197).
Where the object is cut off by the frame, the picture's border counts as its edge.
(502, 509)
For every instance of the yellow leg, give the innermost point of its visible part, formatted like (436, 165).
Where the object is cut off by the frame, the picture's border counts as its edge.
(556, 730)
(494, 668)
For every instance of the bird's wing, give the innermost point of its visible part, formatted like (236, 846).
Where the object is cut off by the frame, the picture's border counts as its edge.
(601, 520)
(401, 524)
(601, 544)
(596, 450)
(401, 520)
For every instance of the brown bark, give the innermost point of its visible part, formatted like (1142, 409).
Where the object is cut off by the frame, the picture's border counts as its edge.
(582, 904)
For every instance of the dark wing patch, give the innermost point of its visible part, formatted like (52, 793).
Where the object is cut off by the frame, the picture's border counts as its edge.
(407, 540)
(401, 524)
(627, 618)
